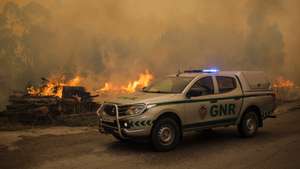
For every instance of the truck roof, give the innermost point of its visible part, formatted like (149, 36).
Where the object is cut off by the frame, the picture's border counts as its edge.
(250, 80)
(195, 74)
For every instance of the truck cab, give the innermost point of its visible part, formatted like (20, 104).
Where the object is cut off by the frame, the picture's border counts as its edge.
(189, 101)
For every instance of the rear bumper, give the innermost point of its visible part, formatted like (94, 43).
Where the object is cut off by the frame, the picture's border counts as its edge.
(268, 115)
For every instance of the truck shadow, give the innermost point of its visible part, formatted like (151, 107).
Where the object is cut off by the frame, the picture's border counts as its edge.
(195, 141)
(195, 145)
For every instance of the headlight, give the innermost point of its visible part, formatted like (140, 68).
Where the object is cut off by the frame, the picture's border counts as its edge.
(135, 109)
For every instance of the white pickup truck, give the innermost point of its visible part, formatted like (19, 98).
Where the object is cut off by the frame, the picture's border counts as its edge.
(189, 101)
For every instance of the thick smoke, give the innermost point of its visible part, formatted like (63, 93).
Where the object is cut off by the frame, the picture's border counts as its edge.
(264, 43)
(115, 40)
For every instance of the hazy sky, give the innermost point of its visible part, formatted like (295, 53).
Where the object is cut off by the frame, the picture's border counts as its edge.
(177, 33)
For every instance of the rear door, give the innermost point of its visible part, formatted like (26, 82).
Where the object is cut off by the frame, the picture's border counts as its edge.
(229, 102)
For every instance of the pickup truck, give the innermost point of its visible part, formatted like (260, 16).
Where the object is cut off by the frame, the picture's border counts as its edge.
(192, 100)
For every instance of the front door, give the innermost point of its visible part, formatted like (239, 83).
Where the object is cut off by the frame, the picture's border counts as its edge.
(197, 108)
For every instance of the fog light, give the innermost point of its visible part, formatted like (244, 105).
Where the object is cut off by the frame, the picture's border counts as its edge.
(126, 124)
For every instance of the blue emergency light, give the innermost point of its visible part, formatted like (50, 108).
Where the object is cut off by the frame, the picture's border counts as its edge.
(210, 70)
(202, 71)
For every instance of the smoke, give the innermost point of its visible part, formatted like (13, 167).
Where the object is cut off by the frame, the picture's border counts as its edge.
(115, 40)
(264, 42)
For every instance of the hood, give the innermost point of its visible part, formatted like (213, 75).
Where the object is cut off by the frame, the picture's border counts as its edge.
(143, 97)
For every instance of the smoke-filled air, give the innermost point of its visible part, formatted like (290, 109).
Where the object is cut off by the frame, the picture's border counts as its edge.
(120, 44)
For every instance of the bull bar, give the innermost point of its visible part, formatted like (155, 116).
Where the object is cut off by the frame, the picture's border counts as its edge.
(116, 118)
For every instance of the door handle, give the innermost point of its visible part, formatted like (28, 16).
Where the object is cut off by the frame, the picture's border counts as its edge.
(214, 101)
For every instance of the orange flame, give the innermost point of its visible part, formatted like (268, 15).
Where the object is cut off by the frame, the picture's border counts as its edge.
(280, 82)
(143, 81)
(54, 86)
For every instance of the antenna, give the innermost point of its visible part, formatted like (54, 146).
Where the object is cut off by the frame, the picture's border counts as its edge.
(178, 73)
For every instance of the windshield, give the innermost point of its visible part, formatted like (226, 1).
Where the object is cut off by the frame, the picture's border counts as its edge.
(169, 85)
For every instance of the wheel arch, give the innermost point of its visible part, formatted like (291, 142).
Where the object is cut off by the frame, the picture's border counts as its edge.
(172, 115)
(255, 109)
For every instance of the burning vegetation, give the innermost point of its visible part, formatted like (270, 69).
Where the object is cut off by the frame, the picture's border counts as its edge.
(286, 90)
(132, 86)
(281, 82)
(58, 97)
(53, 86)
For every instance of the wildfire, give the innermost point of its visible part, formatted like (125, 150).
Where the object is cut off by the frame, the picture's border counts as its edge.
(53, 86)
(143, 81)
(280, 82)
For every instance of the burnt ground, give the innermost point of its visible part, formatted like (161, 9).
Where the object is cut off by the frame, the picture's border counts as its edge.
(277, 145)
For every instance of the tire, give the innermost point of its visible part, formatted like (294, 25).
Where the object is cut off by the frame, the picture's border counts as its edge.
(249, 124)
(166, 134)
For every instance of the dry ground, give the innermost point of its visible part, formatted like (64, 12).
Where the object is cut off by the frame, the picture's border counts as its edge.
(277, 145)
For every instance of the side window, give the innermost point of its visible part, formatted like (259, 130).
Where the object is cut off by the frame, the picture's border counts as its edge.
(205, 86)
(226, 84)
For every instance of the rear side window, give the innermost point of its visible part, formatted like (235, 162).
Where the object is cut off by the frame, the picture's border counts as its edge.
(226, 84)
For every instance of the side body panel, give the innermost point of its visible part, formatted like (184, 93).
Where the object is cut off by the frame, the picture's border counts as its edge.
(264, 101)
(213, 110)
(196, 109)
(262, 98)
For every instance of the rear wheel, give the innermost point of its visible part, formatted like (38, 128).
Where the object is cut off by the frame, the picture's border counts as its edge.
(166, 134)
(249, 124)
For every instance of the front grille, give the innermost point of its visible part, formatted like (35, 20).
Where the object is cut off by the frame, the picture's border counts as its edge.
(111, 110)
(123, 110)
(112, 124)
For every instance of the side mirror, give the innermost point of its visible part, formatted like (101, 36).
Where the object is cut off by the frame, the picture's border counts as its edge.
(194, 93)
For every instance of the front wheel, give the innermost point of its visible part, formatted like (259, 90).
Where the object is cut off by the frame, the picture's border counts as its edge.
(166, 134)
(249, 124)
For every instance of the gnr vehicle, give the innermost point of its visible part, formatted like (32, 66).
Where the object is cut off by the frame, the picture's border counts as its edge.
(189, 101)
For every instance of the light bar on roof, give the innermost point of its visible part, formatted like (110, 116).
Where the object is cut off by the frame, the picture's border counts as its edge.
(210, 70)
(193, 71)
(202, 71)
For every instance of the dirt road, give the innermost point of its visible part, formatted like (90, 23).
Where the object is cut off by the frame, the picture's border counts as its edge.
(277, 145)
